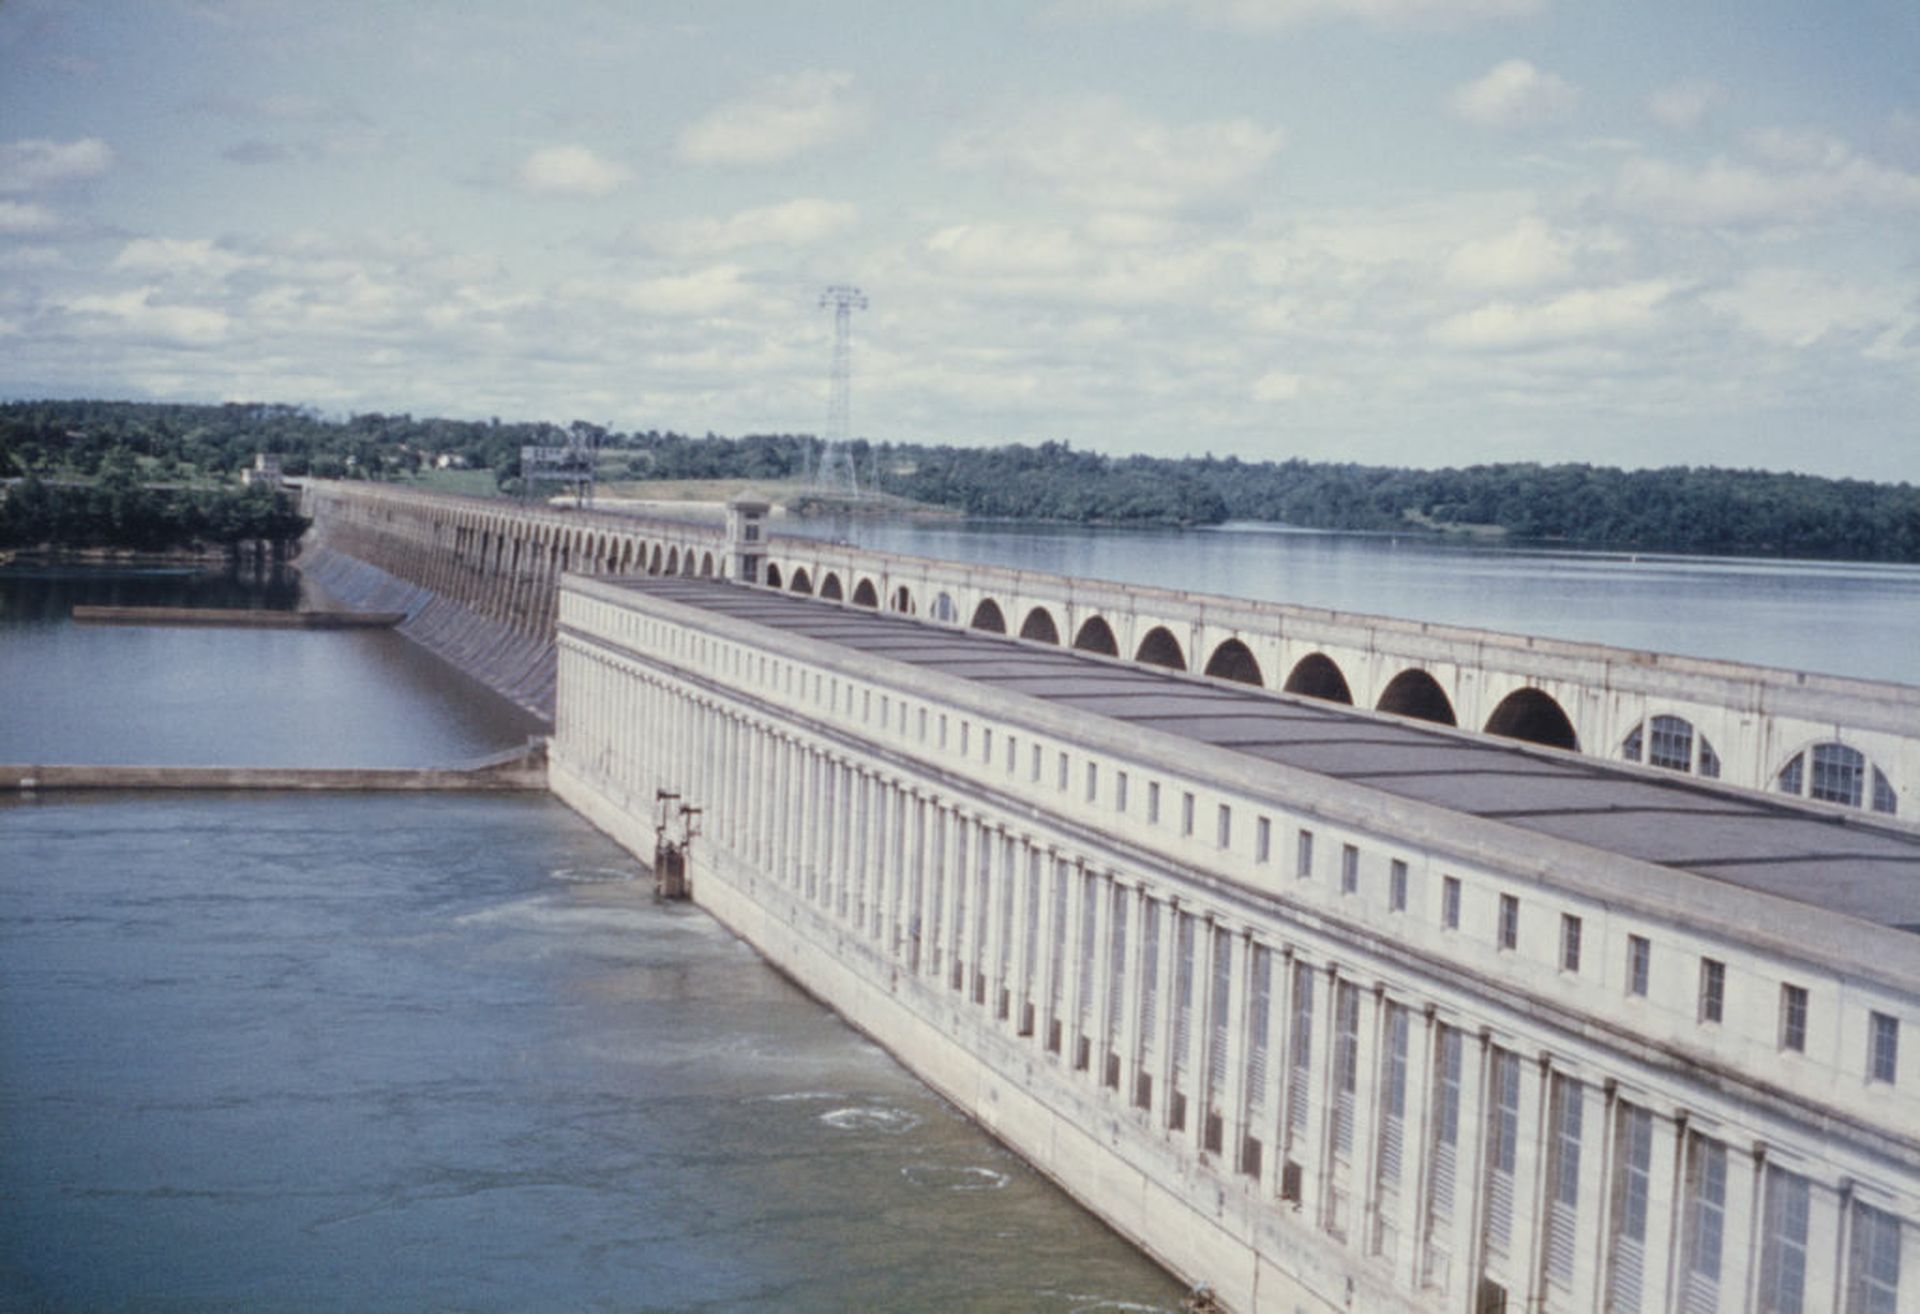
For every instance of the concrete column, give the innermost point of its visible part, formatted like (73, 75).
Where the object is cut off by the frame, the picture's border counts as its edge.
(1467, 1249)
(1097, 944)
(1137, 949)
(1416, 1134)
(1826, 1268)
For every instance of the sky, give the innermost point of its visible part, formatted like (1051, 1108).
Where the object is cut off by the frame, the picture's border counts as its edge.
(1419, 232)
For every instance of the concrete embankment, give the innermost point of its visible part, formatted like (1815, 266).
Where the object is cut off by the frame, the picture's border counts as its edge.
(239, 618)
(523, 769)
(515, 662)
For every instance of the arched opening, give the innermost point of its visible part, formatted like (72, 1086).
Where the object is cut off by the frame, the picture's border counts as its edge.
(864, 594)
(673, 562)
(1097, 636)
(1535, 717)
(1316, 676)
(830, 588)
(773, 576)
(706, 565)
(987, 617)
(626, 558)
(944, 608)
(1039, 626)
(800, 584)
(1233, 660)
(1160, 648)
(653, 562)
(1416, 694)
(903, 601)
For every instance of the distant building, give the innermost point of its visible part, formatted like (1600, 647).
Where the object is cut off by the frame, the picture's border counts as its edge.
(264, 473)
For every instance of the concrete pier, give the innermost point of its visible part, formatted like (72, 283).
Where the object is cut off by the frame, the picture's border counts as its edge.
(522, 770)
(239, 618)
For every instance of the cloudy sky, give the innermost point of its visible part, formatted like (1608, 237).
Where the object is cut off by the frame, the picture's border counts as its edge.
(1413, 231)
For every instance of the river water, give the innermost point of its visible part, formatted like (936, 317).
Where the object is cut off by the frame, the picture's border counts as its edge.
(1839, 618)
(393, 1052)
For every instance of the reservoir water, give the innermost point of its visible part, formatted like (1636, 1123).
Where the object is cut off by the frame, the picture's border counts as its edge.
(293, 1052)
(1839, 618)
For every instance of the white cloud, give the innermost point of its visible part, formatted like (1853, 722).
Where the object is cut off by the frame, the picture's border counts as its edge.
(1806, 178)
(138, 315)
(1584, 313)
(1265, 14)
(19, 218)
(785, 117)
(167, 255)
(1799, 307)
(32, 164)
(570, 171)
(1098, 152)
(1530, 253)
(1514, 94)
(1685, 105)
(703, 292)
(799, 222)
(1005, 249)
(1277, 386)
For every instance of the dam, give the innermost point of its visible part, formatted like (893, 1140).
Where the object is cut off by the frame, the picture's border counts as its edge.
(1326, 1008)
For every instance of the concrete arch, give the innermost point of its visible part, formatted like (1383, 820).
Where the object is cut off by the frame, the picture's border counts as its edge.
(706, 565)
(830, 587)
(1039, 626)
(673, 561)
(865, 595)
(1160, 648)
(903, 601)
(1097, 636)
(800, 583)
(773, 576)
(1534, 716)
(1317, 676)
(945, 609)
(1417, 694)
(653, 561)
(987, 616)
(626, 558)
(1233, 660)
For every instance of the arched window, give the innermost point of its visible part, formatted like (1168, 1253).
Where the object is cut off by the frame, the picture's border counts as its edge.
(1671, 742)
(987, 616)
(830, 587)
(1837, 773)
(944, 608)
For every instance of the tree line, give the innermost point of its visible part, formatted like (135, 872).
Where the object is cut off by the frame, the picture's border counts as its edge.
(1682, 509)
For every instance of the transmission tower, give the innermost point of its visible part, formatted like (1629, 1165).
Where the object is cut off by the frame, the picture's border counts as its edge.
(836, 472)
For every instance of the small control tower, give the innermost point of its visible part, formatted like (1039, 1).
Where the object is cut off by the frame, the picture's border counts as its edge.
(747, 538)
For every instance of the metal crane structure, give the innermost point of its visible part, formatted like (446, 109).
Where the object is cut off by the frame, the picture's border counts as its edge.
(836, 473)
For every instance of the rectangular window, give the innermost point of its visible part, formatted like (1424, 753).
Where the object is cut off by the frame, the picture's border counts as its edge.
(1153, 802)
(1119, 791)
(1713, 989)
(1639, 964)
(1873, 1262)
(986, 746)
(1186, 814)
(1704, 1222)
(1503, 1144)
(966, 737)
(923, 725)
(1569, 943)
(1036, 764)
(1793, 1018)
(1397, 886)
(1062, 773)
(1783, 1244)
(943, 731)
(1223, 827)
(1509, 921)
(1303, 856)
(1262, 840)
(1349, 869)
(1632, 1182)
(1450, 902)
(1883, 1047)
(1093, 781)
(1563, 1187)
